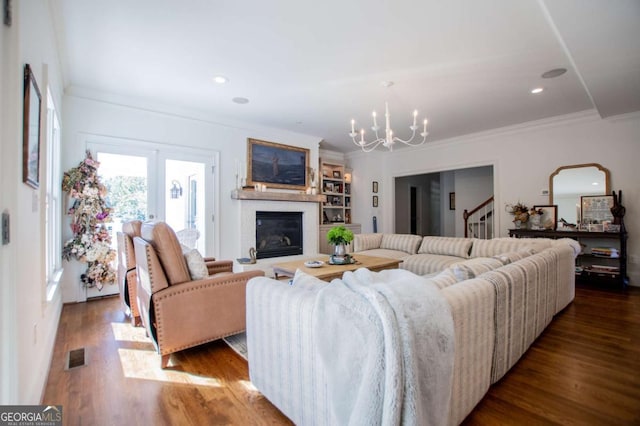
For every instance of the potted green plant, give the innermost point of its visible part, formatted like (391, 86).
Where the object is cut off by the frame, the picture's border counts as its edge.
(339, 236)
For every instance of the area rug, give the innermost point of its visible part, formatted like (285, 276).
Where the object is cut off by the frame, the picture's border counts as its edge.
(238, 342)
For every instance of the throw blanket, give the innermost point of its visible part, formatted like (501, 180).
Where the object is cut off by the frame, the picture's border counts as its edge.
(386, 343)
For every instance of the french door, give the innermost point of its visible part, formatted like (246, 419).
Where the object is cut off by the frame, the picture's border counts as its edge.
(152, 181)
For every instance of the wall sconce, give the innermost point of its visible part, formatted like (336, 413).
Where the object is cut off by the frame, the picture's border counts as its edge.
(176, 189)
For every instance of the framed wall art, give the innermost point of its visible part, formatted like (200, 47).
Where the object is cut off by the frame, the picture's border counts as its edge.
(276, 165)
(374, 187)
(549, 218)
(595, 209)
(375, 201)
(31, 130)
(452, 201)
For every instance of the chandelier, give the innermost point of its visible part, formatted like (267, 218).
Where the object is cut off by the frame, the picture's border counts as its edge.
(388, 141)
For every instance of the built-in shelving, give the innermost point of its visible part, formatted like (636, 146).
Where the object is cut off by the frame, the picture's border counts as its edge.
(335, 184)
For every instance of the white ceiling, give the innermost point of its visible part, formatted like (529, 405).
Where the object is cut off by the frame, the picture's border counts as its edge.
(312, 66)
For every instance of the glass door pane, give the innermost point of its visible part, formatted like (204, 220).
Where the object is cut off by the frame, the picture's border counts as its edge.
(126, 180)
(185, 201)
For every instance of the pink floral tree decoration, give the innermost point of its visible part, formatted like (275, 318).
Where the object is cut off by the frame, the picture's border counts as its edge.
(91, 242)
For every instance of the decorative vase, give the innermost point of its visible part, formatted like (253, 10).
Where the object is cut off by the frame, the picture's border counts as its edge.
(339, 251)
(517, 224)
(534, 221)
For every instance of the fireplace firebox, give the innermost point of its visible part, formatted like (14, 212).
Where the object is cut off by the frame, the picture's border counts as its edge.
(278, 234)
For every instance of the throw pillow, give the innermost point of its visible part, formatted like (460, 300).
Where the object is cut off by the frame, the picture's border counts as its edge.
(195, 262)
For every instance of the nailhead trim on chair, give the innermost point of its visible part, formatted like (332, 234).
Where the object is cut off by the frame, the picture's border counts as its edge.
(159, 327)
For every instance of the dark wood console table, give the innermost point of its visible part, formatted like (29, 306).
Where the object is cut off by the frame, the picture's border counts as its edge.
(593, 266)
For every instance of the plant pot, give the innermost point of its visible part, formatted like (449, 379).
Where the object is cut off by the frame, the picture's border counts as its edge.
(339, 251)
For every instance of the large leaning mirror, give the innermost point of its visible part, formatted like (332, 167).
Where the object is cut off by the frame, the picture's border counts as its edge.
(568, 183)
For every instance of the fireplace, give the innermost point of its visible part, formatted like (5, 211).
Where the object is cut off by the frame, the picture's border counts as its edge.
(278, 234)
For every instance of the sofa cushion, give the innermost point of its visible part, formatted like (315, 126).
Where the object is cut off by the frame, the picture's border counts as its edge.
(488, 248)
(403, 242)
(447, 246)
(195, 262)
(393, 254)
(443, 279)
(363, 242)
(514, 256)
(421, 264)
(474, 267)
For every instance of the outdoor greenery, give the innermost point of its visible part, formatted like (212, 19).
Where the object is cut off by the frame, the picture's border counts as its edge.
(127, 196)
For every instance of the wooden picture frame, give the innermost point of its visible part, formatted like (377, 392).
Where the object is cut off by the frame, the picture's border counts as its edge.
(374, 187)
(276, 165)
(595, 209)
(336, 174)
(452, 201)
(31, 130)
(549, 219)
(375, 201)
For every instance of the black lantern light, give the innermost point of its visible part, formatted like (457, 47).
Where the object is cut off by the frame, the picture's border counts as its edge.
(176, 189)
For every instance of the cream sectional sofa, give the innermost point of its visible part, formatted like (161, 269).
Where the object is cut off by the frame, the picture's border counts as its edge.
(500, 297)
(429, 254)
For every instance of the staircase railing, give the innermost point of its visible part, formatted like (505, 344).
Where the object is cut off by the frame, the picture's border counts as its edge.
(479, 222)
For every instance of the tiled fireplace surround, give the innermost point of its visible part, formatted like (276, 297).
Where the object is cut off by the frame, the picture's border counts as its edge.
(248, 209)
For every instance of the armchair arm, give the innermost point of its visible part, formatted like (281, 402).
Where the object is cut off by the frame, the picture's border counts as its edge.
(197, 312)
(217, 266)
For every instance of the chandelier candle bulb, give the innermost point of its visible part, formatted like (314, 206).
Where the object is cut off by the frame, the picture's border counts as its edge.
(375, 122)
(415, 115)
(386, 114)
(353, 129)
(425, 126)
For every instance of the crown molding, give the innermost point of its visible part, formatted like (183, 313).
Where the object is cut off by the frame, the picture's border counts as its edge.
(589, 115)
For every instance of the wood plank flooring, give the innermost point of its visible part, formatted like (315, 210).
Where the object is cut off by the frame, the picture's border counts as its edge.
(583, 370)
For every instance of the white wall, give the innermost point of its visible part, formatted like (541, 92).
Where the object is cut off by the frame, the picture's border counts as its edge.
(447, 185)
(88, 119)
(523, 157)
(29, 321)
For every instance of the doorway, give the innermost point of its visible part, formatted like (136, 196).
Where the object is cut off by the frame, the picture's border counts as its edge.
(151, 181)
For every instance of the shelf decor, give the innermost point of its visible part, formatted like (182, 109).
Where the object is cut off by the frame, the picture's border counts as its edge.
(596, 209)
(548, 216)
(91, 242)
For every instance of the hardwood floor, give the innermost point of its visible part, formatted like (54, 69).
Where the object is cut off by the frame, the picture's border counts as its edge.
(583, 370)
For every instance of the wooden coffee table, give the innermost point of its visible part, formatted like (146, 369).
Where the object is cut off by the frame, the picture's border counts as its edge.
(328, 272)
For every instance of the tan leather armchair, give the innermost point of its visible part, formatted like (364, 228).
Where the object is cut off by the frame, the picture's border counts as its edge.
(177, 312)
(127, 276)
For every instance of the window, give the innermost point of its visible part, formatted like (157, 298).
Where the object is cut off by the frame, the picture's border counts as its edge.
(53, 204)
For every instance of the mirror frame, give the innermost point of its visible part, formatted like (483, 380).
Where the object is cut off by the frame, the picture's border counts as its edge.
(607, 177)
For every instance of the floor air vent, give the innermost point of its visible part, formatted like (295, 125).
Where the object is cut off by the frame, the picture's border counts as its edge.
(75, 358)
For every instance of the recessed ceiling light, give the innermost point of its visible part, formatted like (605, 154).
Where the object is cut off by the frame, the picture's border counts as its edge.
(240, 100)
(537, 90)
(595, 184)
(556, 72)
(220, 79)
